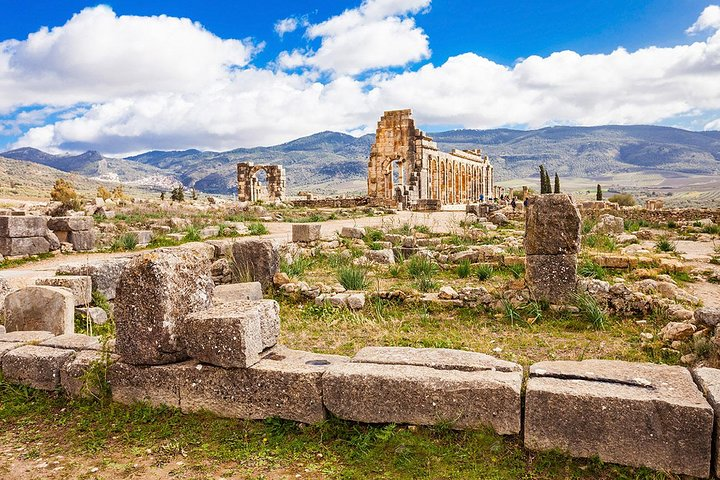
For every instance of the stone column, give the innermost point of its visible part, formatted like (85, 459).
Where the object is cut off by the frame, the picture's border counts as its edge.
(552, 242)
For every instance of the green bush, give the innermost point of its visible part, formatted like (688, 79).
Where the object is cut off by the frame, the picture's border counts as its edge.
(192, 234)
(601, 242)
(484, 272)
(623, 199)
(591, 310)
(426, 284)
(373, 235)
(297, 268)
(590, 269)
(257, 228)
(517, 270)
(421, 266)
(353, 277)
(463, 269)
(665, 245)
(125, 242)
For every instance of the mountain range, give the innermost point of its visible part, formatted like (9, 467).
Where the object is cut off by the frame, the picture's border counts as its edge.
(331, 162)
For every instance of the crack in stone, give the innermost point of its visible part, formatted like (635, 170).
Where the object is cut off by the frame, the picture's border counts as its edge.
(635, 382)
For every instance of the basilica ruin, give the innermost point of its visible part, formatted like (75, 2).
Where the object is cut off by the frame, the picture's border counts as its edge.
(252, 189)
(406, 167)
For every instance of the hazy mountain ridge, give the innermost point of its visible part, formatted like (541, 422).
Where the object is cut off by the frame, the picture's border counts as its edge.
(331, 160)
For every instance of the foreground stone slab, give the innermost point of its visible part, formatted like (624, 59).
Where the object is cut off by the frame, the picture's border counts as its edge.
(70, 224)
(82, 241)
(226, 335)
(426, 387)
(156, 290)
(17, 246)
(305, 232)
(552, 225)
(27, 336)
(73, 341)
(258, 260)
(79, 285)
(104, 275)
(157, 385)
(551, 277)
(232, 292)
(708, 379)
(8, 346)
(49, 309)
(635, 414)
(36, 367)
(25, 226)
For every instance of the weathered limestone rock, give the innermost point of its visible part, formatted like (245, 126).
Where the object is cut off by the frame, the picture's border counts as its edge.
(8, 346)
(79, 285)
(73, 341)
(209, 232)
(233, 292)
(36, 367)
(551, 277)
(49, 309)
(677, 331)
(280, 279)
(447, 293)
(384, 257)
(105, 275)
(157, 385)
(143, 236)
(609, 224)
(82, 241)
(52, 240)
(634, 414)
(25, 226)
(352, 232)
(226, 335)
(25, 337)
(258, 259)
(96, 314)
(426, 387)
(356, 301)
(157, 290)
(552, 225)
(708, 379)
(73, 374)
(709, 316)
(70, 224)
(223, 247)
(18, 246)
(305, 232)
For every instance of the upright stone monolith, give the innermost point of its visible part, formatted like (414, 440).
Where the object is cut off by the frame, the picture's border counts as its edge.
(552, 242)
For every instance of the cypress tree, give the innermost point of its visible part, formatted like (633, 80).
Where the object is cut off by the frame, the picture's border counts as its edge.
(598, 196)
(548, 185)
(542, 179)
(557, 183)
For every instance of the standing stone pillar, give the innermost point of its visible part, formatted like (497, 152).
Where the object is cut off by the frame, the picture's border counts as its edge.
(552, 242)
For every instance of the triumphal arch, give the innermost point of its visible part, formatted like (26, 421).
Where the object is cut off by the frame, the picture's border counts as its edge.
(406, 167)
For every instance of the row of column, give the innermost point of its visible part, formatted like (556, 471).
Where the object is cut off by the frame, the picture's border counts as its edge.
(453, 181)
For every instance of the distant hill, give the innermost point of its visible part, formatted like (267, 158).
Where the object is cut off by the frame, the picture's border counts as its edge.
(329, 162)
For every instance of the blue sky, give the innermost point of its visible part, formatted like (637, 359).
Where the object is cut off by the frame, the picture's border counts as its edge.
(131, 76)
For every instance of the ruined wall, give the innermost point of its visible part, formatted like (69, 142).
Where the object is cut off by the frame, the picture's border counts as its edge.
(657, 216)
(249, 187)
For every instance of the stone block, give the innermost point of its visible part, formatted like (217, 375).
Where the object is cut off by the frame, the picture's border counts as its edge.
(97, 315)
(384, 257)
(708, 379)
(50, 309)
(143, 236)
(709, 316)
(73, 374)
(609, 224)
(284, 383)
(552, 225)
(70, 224)
(82, 241)
(18, 246)
(34, 366)
(8, 346)
(258, 259)
(233, 292)
(157, 385)
(25, 337)
(305, 232)
(209, 232)
(73, 341)
(426, 387)
(222, 248)
(352, 232)
(226, 335)
(105, 275)
(551, 277)
(79, 285)
(615, 261)
(156, 290)
(635, 414)
(27, 226)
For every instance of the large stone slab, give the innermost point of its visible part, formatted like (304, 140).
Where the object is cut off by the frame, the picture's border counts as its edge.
(256, 259)
(156, 290)
(305, 232)
(79, 285)
(156, 385)
(82, 241)
(426, 387)
(18, 246)
(635, 414)
(105, 275)
(25, 337)
(232, 292)
(551, 277)
(73, 341)
(26, 226)
(552, 225)
(37, 367)
(226, 335)
(50, 309)
(70, 224)
(708, 379)
(8, 346)
(75, 376)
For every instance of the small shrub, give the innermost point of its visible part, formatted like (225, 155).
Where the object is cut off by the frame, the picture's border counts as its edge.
(373, 235)
(601, 242)
(665, 245)
(517, 270)
(426, 284)
(623, 199)
(463, 269)
(511, 313)
(125, 242)
(423, 229)
(712, 229)
(103, 192)
(375, 246)
(588, 225)
(64, 192)
(353, 277)
(421, 266)
(484, 272)
(591, 310)
(672, 224)
(192, 234)
(590, 269)
(395, 270)
(257, 228)
(298, 267)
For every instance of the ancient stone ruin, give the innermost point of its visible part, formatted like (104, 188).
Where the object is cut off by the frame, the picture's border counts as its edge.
(406, 167)
(252, 189)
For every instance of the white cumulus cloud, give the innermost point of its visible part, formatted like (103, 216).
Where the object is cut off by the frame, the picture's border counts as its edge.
(709, 19)
(286, 25)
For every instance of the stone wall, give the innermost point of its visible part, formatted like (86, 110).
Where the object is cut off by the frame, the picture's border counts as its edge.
(656, 216)
(251, 190)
